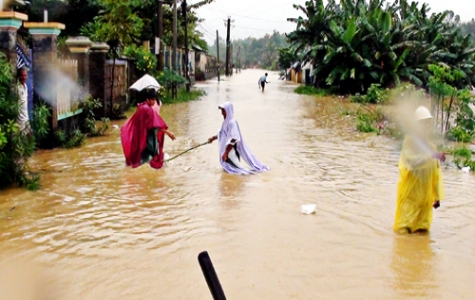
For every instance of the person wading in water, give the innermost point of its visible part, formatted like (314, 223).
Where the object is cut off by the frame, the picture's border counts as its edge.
(262, 82)
(420, 186)
(232, 146)
(143, 135)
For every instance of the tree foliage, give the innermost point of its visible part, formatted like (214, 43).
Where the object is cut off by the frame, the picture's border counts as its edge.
(74, 13)
(16, 146)
(469, 28)
(256, 52)
(86, 16)
(116, 24)
(287, 56)
(354, 44)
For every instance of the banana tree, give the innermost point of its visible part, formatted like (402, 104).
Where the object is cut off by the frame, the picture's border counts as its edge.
(358, 43)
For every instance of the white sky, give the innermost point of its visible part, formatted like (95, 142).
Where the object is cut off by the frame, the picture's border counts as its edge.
(256, 18)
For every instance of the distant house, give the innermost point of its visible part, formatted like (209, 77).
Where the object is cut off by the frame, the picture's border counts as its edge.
(296, 72)
(201, 62)
(307, 73)
(300, 74)
(206, 65)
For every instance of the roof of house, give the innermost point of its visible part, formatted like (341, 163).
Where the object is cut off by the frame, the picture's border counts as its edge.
(198, 49)
(20, 2)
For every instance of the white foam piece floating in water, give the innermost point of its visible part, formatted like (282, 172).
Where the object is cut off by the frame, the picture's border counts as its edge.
(308, 209)
(115, 126)
(466, 169)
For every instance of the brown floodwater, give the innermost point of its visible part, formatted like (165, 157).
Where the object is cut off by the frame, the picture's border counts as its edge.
(98, 230)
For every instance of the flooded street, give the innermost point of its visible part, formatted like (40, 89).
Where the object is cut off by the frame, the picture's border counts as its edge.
(103, 231)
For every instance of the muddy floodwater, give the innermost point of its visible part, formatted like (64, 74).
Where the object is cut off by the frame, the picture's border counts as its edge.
(98, 230)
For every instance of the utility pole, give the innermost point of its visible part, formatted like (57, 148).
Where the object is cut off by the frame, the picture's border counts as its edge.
(238, 59)
(217, 50)
(185, 16)
(228, 45)
(160, 56)
(174, 87)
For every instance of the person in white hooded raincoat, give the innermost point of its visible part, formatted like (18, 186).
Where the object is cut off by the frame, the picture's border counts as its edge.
(232, 147)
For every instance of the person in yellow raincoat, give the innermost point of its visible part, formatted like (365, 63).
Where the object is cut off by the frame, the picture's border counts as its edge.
(420, 186)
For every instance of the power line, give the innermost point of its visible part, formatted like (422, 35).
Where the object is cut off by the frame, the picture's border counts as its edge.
(224, 10)
(259, 29)
(210, 29)
(250, 16)
(213, 13)
(267, 20)
(267, 10)
(203, 23)
(265, 3)
(206, 31)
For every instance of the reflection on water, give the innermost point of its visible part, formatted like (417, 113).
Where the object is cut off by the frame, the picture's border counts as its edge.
(110, 232)
(24, 279)
(231, 187)
(415, 267)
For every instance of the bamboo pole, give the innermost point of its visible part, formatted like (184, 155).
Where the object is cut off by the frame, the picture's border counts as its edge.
(197, 146)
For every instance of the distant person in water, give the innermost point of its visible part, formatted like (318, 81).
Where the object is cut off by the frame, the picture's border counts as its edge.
(232, 146)
(420, 186)
(143, 135)
(262, 81)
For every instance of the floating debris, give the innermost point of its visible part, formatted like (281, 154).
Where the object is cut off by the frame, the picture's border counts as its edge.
(308, 209)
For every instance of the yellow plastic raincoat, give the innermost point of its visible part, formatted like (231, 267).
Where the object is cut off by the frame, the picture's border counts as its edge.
(420, 185)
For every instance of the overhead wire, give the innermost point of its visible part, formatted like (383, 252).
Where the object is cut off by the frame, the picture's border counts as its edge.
(224, 10)
(254, 18)
(259, 29)
(221, 9)
(265, 3)
(206, 32)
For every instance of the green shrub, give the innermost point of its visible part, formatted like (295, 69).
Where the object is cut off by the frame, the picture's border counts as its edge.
(374, 95)
(73, 140)
(310, 90)
(145, 60)
(169, 77)
(460, 134)
(15, 146)
(40, 124)
(90, 126)
(369, 118)
(357, 98)
(183, 96)
(364, 122)
(463, 158)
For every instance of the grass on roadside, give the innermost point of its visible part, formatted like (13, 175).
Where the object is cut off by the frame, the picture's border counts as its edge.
(183, 96)
(310, 90)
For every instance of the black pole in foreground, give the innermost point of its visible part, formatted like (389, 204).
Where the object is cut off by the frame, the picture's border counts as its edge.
(211, 276)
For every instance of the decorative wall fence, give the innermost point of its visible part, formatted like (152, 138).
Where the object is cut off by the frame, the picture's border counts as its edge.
(120, 79)
(68, 90)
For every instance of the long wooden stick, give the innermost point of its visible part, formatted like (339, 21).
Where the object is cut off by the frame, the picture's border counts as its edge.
(205, 143)
(167, 160)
